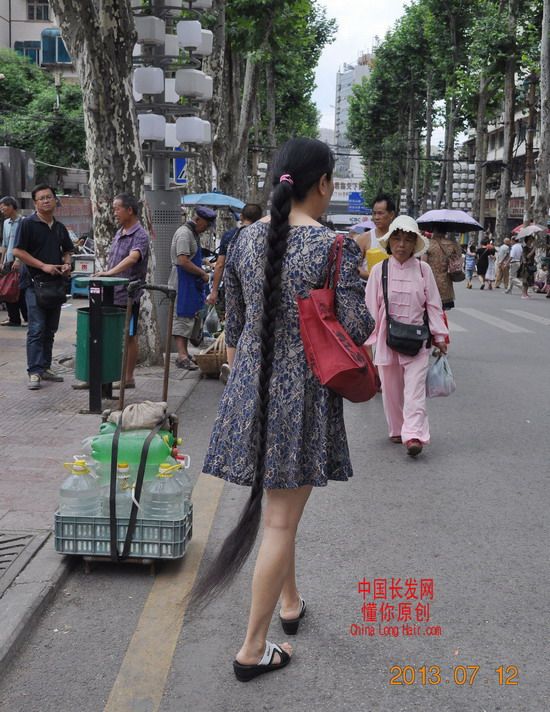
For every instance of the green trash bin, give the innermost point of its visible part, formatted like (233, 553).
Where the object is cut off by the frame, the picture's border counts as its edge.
(112, 337)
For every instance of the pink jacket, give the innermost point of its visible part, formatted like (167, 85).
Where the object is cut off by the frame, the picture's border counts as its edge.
(411, 289)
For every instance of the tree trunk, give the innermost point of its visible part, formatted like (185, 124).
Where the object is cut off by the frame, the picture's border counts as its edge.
(199, 171)
(444, 166)
(271, 140)
(235, 118)
(543, 162)
(529, 155)
(100, 38)
(481, 145)
(416, 174)
(427, 178)
(450, 154)
(409, 168)
(504, 192)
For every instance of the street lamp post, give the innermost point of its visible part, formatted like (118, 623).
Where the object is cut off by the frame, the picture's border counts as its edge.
(165, 123)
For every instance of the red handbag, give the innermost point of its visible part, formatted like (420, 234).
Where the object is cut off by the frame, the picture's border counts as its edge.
(332, 355)
(9, 287)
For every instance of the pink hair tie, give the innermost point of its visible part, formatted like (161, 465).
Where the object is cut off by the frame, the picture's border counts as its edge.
(286, 178)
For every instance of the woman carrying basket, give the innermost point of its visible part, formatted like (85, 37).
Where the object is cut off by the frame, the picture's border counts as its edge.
(277, 428)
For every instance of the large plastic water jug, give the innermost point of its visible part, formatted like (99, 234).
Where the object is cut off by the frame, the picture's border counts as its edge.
(123, 494)
(163, 497)
(130, 446)
(183, 478)
(79, 495)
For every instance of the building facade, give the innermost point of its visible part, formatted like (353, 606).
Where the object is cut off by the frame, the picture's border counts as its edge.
(347, 165)
(29, 28)
(523, 186)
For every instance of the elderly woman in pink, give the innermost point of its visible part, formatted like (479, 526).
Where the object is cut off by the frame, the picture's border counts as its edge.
(411, 294)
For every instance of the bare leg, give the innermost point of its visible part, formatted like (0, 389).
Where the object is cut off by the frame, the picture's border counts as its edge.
(275, 559)
(290, 597)
(181, 345)
(231, 355)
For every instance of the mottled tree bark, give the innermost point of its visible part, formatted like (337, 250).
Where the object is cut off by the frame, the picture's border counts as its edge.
(100, 36)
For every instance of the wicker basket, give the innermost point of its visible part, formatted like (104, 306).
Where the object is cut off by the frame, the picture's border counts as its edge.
(211, 359)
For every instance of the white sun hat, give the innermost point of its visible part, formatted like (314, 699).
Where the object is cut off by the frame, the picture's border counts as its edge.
(407, 224)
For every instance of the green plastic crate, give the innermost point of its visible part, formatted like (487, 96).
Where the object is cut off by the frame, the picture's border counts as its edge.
(152, 539)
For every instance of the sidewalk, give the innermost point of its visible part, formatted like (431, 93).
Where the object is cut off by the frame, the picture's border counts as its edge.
(39, 431)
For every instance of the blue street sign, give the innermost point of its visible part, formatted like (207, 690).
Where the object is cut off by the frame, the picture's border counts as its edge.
(356, 204)
(179, 170)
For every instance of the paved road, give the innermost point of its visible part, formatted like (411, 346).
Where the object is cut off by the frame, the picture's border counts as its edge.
(470, 515)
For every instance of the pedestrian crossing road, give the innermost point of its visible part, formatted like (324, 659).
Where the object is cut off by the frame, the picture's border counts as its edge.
(513, 321)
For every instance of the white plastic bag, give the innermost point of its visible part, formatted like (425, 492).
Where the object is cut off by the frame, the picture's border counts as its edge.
(439, 379)
(212, 322)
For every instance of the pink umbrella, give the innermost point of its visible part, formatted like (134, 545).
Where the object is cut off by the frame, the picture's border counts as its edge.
(522, 231)
(448, 220)
(363, 226)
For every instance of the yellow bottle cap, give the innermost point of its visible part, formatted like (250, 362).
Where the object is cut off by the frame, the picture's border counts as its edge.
(167, 470)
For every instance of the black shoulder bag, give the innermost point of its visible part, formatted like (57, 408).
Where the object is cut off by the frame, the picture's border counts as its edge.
(51, 293)
(406, 339)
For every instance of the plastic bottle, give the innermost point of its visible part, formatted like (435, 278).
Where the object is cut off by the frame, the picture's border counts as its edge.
(123, 496)
(130, 446)
(79, 495)
(163, 498)
(183, 478)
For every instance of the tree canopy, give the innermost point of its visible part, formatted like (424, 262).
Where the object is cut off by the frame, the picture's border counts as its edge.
(442, 64)
(39, 117)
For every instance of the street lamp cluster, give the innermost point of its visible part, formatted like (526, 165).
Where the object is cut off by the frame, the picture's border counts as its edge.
(169, 89)
(163, 76)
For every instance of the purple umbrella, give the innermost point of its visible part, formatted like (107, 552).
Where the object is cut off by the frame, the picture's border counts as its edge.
(448, 221)
(363, 226)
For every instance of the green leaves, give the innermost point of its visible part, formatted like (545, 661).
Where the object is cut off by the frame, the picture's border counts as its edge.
(30, 119)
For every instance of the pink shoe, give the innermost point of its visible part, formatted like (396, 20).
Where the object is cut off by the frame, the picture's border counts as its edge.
(525, 296)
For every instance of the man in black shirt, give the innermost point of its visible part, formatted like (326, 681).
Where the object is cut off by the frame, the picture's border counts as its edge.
(249, 215)
(44, 245)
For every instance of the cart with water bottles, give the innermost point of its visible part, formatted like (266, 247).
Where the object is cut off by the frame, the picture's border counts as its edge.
(127, 494)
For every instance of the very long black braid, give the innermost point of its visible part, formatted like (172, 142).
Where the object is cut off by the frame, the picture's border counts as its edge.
(300, 165)
(238, 544)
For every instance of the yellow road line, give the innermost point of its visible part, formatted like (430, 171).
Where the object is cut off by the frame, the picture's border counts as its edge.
(142, 677)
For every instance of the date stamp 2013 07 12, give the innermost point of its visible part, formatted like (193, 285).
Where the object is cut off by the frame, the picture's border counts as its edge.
(460, 675)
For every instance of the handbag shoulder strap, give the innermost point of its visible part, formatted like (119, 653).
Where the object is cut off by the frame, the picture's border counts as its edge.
(334, 260)
(385, 286)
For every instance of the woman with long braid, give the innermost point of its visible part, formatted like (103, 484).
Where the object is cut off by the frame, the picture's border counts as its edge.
(277, 428)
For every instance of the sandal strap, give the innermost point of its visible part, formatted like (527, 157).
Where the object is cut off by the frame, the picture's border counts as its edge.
(269, 652)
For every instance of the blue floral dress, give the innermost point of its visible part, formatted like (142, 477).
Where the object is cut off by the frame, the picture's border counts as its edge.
(306, 440)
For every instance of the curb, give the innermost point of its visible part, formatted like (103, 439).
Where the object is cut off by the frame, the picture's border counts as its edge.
(27, 597)
(36, 585)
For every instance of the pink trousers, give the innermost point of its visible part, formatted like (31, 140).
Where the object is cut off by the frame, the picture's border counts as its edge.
(404, 396)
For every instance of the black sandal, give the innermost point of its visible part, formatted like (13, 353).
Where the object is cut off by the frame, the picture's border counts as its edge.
(290, 626)
(244, 673)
